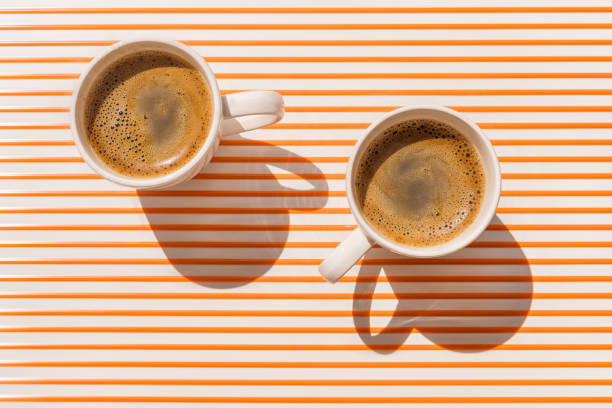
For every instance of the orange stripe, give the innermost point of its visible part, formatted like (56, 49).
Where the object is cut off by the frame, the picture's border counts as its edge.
(34, 92)
(174, 244)
(403, 75)
(298, 313)
(268, 176)
(305, 10)
(311, 400)
(39, 76)
(362, 43)
(35, 126)
(169, 244)
(556, 142)
(351, 125)
(284, 176)
(9, 176)
(180, 210)
(162, 261)
(341, 142)
(551, 210)
(280, 244)
(318, 126)
(201, 176)
(405, 92)
(310, 347)
(33, 109)
(543, 125)
(194, 227)
(340, 108)
(457, 108)
(280, 227)
(284, 329)
(302, 296)
(54, 43)
(18, 142)
(527, 58)
(174, 193)
(221, 159)
(351, 142)
(549, 227)
(353, 75)
(532, 108)
(306, 279)
(479, 261)
(537, 58)
(274, 210)
(483, 125)
(350, 92)
(326, 382)
(270, 193)
(20, 60)
(305, 330)
(309, 261)
(549, 159)
(293, 142)
(41, 160)
(314, 364)
(282, 159)
(326, 42)
(473, 26)
(555, 193)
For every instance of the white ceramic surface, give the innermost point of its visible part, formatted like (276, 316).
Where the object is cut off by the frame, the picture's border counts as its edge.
(364, 236)
(231, 114)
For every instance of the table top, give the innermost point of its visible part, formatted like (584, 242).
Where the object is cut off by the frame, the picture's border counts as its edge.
(209, 293)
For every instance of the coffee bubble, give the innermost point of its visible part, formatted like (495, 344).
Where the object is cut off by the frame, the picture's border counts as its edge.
(419, 183)
(148, 114)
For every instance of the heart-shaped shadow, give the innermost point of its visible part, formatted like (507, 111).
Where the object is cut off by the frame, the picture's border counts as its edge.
(249, 220)
(471, 301)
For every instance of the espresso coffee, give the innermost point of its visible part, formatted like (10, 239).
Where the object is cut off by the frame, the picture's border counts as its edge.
(420, 183)
(148, 114)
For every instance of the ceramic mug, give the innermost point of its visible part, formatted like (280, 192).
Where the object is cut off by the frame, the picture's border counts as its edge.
(233, 113)
(365, 236)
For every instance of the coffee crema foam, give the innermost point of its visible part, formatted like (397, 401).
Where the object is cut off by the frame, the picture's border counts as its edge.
(420, 183)
(148, 114)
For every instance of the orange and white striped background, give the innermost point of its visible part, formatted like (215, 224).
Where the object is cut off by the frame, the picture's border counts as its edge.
(208, 294)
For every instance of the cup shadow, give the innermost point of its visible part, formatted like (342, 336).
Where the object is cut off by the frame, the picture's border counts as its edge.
(464, 307)
(259, 223)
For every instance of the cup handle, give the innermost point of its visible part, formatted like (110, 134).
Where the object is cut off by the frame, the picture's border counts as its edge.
(250, 110)
(345, 256)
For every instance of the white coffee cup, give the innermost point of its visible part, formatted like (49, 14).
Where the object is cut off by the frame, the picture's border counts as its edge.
(365, 236)
(233, 113)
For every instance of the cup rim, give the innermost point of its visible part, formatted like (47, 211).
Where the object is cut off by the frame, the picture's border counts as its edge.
(181, 172)
(457, 243)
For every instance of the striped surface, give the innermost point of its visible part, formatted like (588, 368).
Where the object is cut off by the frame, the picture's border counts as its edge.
(208, 295)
